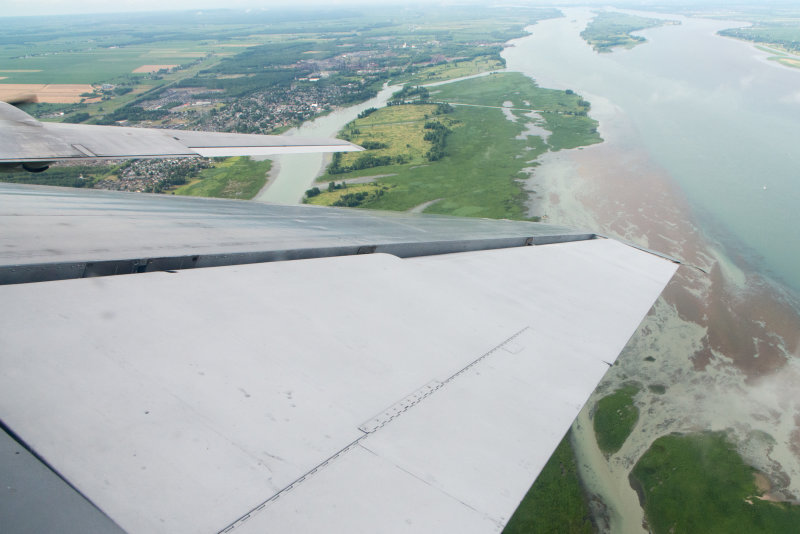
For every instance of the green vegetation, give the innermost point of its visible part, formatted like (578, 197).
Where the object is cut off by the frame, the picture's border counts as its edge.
(448, 71)
(63, 176)
(238, 177)
(480, 169)
(615, 416)
(784, 36)
(698, 483)
(556, 503)
(611, 29)
(346, 196)
(400, 134)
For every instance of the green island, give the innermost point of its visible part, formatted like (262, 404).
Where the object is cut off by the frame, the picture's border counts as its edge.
(610, 29)
(699, 483)
(556, 503)
(615, 415)
(455, 151)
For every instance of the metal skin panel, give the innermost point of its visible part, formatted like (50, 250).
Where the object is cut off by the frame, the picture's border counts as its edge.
(24, 139)
(55, 233)
(192, 401)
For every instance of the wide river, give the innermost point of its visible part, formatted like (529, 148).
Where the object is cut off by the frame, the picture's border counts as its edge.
(712, 111)
(700, 160)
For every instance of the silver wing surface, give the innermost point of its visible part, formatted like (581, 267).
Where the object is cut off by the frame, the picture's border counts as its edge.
(23, 139)
(330, 370)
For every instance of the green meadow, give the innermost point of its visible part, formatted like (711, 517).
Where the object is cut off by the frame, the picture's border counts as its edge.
(237, 177)
(556, 503)
(699, 483)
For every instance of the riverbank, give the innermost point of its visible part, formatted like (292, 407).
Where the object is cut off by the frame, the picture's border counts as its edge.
(491, 128)
(722, 344)
(297, 171)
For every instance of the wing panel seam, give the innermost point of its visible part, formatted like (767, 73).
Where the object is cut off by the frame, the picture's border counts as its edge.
(403, 406)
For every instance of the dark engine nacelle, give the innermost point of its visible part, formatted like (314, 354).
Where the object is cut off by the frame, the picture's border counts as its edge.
(35, 167)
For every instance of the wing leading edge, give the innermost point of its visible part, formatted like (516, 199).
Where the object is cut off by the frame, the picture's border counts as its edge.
(344, 393)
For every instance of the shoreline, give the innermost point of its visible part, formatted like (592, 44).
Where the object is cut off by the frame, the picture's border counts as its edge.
(721, 343)
(720, 340)
(271, 174)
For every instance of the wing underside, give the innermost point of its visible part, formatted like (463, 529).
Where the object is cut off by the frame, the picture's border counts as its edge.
(355, 392)
(25, 140)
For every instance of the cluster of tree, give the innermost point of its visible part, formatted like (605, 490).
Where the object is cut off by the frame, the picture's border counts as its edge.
(437, 136)
(77, 117)
(365, 161)
(410, 92)
(237, 87)
(373, 145)
(353, 200)
(133, 112)
(787, 38)
(332, 186)
(443, 109)
(367, 112)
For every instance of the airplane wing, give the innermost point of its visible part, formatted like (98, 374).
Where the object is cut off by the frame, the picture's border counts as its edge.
(26, 141)
(328, 370)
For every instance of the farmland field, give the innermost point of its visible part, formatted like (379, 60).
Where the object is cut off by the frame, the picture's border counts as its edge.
(52, 93)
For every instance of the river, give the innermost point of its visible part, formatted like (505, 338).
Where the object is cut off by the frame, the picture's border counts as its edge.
(699, 161)
(711, 111)
(294, 173)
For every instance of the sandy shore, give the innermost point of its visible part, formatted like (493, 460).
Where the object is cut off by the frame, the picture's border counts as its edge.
(722, 342)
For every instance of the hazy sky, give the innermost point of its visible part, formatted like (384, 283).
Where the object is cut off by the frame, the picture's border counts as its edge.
(61, 7)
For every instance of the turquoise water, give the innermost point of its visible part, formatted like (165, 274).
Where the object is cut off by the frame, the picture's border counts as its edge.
(713, 112)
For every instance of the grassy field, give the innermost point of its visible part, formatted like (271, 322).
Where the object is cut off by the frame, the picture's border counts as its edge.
(556, 503)
(238, 177)
(610, 29)
(699, 483)
(96, 65)
(481, 171)
(615, 416)
(450, 70)
(400, 128)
